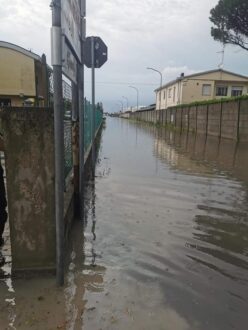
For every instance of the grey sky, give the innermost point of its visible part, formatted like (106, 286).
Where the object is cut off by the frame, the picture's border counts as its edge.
(170, 35)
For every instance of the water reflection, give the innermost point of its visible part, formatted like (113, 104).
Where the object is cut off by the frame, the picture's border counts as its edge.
(223, 223)
(164, 241)
(201, 154)
(204, 188)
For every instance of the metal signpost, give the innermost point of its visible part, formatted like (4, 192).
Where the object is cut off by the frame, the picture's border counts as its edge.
(67, 35)
(68, 57)
(95, 55)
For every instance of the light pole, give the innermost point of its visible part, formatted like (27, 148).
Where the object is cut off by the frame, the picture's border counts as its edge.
(126, 100)
(137, 91)
(121, 104)
(161, 82)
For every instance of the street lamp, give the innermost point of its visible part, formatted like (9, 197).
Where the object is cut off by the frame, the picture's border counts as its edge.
(160, 73)
(161, 82)
(126, 100)
(137, 91)
(121, 104)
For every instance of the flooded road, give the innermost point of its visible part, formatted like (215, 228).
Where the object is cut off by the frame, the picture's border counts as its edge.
(165, 243)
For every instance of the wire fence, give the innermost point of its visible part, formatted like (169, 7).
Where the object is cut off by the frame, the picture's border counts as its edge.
(67, 107)
(88, 117)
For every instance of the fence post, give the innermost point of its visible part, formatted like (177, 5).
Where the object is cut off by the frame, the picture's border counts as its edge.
(196, 118)
(221, 107)
(59, 139)
(75, 147)
(207, 120)
(181, 128)
(188, 119)
(238, 120)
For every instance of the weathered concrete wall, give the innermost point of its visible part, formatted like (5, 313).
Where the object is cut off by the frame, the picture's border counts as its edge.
(214, 119)
(202, 119)
(29, 153)
(230, 117)
(225, 119)
(193, 119)
(243, 121)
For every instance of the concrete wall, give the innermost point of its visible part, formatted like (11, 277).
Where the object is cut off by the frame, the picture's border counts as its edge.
(243, 120)
(29, 153)
(225, 119)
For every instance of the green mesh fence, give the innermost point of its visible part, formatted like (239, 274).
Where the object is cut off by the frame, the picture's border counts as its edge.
(87, 124)
(88, 135)
(67, 138)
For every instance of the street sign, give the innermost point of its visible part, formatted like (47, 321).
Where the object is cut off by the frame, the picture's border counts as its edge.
(71, 24)
(100, 52)
(69, 62)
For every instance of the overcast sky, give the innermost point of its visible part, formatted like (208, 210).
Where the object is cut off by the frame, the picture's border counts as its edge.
(172, 36)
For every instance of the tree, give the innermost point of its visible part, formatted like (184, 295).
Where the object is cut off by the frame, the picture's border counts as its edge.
(230, 18)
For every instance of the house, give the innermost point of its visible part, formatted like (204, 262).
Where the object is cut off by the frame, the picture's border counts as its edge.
(24, 77)
(214, 84)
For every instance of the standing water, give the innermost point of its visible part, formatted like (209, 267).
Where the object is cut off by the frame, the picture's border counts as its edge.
(164, 245)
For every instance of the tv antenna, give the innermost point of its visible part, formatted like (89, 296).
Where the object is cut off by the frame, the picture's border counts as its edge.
(222, 52)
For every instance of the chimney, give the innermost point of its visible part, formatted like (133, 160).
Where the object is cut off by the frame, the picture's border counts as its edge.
(182, 74)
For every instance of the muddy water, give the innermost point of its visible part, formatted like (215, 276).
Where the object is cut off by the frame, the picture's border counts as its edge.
(165, 242)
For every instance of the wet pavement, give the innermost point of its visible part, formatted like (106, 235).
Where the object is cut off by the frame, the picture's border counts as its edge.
(165, 242)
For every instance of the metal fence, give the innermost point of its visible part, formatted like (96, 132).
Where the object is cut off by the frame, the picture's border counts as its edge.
(88, 113)
(67, 105)
(88, 118)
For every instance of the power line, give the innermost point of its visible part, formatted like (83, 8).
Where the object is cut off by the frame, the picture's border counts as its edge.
(120, 83)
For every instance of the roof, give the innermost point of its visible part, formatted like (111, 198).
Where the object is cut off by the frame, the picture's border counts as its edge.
(4, 44)
(198, 74)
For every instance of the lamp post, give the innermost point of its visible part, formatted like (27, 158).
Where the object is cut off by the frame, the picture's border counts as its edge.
(121, 104)
(137, 91)
(161, 82)
(126, 100)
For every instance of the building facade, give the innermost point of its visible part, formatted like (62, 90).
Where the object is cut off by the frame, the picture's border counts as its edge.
(202, 86)
(24, 77)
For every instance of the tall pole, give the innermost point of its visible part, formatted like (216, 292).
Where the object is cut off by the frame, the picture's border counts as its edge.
(81, 128)
(81, 102)
(93, 99)
(137, 91)
(121, 105)
(161, 82)
(82, 5)
(126, 100)
(58, 139)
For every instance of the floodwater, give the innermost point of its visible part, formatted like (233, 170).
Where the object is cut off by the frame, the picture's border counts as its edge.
(165, 242)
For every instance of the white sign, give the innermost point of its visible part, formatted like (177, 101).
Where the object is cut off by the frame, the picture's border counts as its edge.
(69, 63)
(71, 24)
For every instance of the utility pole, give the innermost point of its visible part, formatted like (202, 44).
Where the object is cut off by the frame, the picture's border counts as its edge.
(93, 99)
(58, 138)
(161, 82)
(137, 91)
(81, 110)
(126, 101)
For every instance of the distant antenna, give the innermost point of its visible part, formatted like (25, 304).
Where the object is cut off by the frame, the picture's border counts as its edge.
(222, 52)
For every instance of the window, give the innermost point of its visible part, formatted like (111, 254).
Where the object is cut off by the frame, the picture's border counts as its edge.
(174, 94)
(237, 91)
(164, 95)
(221, 90)
(5, 102)
(169, 93)
(206, 90)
